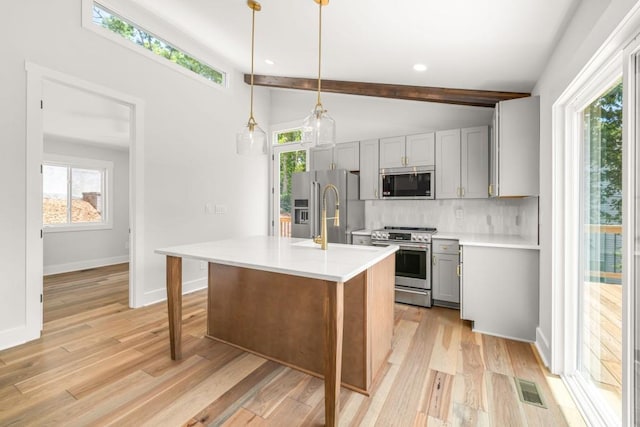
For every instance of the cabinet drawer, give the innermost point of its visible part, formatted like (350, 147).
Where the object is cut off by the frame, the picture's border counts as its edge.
(441, 246)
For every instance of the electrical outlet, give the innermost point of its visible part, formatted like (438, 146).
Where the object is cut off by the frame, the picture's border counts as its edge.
(203, 265)
(459, 213)
(489, 220)
(517, 220)
(208, 208)
(221, 209)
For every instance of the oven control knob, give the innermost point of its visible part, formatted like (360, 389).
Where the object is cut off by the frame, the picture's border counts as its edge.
(421, 238)
(385, 235)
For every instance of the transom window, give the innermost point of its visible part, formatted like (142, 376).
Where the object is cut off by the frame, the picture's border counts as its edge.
(146, 40)
(76, 194)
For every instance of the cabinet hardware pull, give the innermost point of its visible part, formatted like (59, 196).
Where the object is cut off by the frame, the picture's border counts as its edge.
(375, 193)
(462, 191)
(458, 270)
(491, 189)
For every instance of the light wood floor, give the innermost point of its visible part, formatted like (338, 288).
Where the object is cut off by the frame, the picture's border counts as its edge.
(100, 363)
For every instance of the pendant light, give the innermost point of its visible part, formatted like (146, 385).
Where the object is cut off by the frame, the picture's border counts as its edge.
(251, 140)
(318, 128)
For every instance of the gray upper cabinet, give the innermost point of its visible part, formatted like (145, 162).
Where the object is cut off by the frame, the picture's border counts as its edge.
(474, 166)
(462, 163)
(448, 164)
(515, 148)
(320, 159)
(369, 169)
(409, 151)
(392, 152)
(342, 156)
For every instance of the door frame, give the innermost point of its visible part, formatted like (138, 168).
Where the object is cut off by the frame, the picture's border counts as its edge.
(565, 202)
(36, 76)
(274, 175)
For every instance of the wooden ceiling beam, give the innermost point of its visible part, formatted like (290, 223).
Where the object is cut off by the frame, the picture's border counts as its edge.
(476, 98)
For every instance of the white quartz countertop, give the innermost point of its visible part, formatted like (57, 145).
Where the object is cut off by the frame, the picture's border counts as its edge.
(489, 240)
(299, 257)
(364, 232)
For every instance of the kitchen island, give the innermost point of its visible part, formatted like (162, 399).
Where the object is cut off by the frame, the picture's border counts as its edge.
(328, 313)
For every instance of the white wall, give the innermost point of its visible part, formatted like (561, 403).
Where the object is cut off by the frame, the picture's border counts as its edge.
(74, 250)
(189, 145)
(592, 23)
(364, 117)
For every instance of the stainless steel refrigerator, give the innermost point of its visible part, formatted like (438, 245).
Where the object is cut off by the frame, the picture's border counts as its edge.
(306, 194)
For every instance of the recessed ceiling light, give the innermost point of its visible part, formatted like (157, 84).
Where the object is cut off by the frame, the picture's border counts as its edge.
(420, 67)
(269, 62)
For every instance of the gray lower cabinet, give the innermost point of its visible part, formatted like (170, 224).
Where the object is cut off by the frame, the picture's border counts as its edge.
(500, 291)
(445, 280)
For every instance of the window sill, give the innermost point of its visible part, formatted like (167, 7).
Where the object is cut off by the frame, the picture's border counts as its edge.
(83, 227)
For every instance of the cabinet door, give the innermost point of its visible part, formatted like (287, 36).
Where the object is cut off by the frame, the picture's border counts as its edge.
(347, 156)
(445, 281)
(474, 166)
(392, 152)
(369, 169)
(448, 164)
(519, 139)
(493, 155)
(321, 159)
(501, 291)
(420, 150)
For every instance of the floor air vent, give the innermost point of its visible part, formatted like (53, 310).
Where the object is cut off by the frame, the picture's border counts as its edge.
(529, 392)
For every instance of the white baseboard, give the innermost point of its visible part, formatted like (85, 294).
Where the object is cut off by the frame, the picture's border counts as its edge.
(16, 336)
(83, 265)
(542, 345)
(159, 295)
(481, 331)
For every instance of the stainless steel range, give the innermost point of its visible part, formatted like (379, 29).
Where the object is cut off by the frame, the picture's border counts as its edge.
(413, 261)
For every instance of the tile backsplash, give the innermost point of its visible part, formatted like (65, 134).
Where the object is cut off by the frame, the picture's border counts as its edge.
(486, 216)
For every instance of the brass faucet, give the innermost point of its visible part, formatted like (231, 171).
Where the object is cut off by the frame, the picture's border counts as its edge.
(322, 238)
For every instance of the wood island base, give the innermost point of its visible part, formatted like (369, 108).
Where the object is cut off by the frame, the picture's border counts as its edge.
(338, 331)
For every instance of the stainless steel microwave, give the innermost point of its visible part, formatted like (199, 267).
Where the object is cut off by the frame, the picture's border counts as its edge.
(408, 183)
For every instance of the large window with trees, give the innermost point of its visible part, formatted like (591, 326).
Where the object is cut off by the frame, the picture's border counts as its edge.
(133, 33)
(600, 290)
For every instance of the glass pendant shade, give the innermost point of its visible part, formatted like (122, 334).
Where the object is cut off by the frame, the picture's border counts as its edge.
(251, 140)
(319, 129)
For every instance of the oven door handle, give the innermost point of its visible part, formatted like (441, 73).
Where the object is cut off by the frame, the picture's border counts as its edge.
(414, 248)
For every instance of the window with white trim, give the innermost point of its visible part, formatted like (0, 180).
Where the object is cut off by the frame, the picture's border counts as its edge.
(76, 194)
(126, 29)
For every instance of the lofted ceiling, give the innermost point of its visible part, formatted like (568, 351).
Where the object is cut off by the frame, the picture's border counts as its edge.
(500, 45)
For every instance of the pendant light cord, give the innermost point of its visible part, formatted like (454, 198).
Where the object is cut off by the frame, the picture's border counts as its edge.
(319, 104)
(252, 121)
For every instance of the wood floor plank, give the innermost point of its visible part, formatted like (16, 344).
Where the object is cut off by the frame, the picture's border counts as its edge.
(469, 384)
(469, 417)
(405, 394)
(496, 356)
(504, 405)
(116, 363)
(231, 401)
(244, 418)
(191, 401)
(270, 396)
(436, 400)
